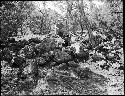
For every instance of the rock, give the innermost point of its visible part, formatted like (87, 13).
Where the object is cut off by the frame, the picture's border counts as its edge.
(72, 64)
(53, 82)
(83, 73)
(63, 66)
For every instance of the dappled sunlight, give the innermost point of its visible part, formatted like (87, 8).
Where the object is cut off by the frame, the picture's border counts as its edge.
(62, 48)
(98, 3)
(50, 5)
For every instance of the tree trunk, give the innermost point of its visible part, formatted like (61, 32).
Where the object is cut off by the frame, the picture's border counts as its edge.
(86, 21)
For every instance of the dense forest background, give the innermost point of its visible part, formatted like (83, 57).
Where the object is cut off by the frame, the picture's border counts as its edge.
(62, 47)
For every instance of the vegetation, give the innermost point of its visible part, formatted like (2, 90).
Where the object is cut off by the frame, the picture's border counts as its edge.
(39, 55)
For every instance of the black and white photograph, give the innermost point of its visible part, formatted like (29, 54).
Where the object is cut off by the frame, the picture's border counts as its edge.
(62, 47)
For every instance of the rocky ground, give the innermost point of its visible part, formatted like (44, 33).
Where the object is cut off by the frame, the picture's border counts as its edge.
(42, 67)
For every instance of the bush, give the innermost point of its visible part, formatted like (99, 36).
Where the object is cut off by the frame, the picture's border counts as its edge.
(40, 61)
(18, 62)
(34, 40)
(97, 58)
(6, 55)
(60, 57)
(11, 40)
(29, 51)
(67, 41)
(24, 42)
(82, 56)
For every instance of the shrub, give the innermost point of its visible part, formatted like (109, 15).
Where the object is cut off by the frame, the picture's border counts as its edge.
(82, 56)
(35, 40)
(40, 61)
(11, 40)
(60, 56)
(18, 62)
(29, 51)
(6, 55)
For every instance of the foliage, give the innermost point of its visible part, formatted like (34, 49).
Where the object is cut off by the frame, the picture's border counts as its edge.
(8, 19)
(60, 65)
(14, 14)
